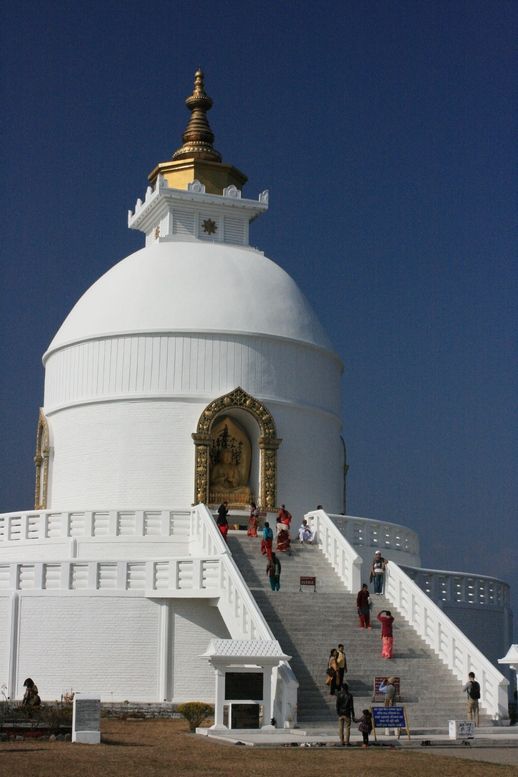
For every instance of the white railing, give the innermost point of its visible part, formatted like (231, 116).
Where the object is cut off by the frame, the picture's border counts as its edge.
(461, 587)
(48, 524)
(197, 576)
(401, 543)
(205, 537)
(447, 640)
(343, 558)
(240, 611)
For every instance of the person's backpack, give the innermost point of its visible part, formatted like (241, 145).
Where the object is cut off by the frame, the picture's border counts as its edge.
(474, 690)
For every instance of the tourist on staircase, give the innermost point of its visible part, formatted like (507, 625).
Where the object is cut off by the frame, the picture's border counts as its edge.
(284, 516)
(378, 572)
(283, 539)
(341, 662)
(221, 520)
(267, 541)
(387, 640)
(332, 672)
(363, 604)
(273, 570)
(306, 534)
(388, 688)
(253, 520)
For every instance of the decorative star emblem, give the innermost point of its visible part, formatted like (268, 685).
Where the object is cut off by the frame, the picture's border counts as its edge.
(209, 226)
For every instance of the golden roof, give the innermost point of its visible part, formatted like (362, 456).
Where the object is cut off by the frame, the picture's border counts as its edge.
(197, 158)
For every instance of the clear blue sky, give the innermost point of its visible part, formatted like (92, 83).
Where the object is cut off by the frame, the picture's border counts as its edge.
(385, 133)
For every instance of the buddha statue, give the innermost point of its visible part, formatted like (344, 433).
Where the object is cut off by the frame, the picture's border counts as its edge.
(230, 471)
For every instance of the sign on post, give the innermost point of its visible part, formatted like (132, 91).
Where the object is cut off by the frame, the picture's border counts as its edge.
(461, 729)
(86, 720)
(307, 580)
(390, 717)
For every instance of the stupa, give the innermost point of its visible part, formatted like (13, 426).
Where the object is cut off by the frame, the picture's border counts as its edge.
(193, 372)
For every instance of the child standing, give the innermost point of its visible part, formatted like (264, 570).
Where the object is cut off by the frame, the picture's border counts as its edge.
(365, 726)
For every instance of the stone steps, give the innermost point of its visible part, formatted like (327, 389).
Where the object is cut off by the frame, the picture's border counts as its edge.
(309, 624)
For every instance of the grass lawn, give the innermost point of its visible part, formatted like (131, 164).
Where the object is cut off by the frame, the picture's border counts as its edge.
(156, 748)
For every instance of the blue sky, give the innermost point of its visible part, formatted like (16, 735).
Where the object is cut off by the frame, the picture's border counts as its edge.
(385, 133)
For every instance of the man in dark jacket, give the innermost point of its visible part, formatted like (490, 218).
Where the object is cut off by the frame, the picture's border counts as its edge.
(345, 712)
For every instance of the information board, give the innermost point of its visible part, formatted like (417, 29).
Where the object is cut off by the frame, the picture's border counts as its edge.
(461, 729)
(243, 685)
(389, 717)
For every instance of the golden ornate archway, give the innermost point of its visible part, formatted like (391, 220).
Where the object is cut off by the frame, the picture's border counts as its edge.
(268, 444)
(41, 461)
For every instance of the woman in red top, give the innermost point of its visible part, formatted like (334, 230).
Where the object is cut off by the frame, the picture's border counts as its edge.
(387, 640)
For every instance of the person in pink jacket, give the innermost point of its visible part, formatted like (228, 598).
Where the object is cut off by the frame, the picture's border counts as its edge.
(387, 640)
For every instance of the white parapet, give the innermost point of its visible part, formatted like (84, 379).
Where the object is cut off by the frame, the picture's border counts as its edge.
(344, 559)
(368, 535)
(459, 654)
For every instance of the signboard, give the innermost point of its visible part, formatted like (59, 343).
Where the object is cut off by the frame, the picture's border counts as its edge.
(306, 580)
(86, 720)
(389, 717)
(461, 729)
(244, 715)
(243, 685)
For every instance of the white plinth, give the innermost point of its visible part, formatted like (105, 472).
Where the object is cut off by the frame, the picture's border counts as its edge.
(461, 729)
(86, 719)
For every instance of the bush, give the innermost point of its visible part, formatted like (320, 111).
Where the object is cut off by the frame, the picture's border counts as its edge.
(195, 712)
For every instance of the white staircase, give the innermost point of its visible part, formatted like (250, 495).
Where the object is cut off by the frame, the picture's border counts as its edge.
(309, 624)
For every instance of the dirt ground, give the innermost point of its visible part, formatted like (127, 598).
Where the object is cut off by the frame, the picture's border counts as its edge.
(165, 747)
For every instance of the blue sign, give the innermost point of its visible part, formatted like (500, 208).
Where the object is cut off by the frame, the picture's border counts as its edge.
(389, 717)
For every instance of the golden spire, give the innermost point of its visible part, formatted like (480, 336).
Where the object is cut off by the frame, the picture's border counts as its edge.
(198, 136)
(197, 159)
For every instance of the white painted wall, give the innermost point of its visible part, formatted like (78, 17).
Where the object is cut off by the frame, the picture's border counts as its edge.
(94, 644)
(122, 411)
(111, 645)
(194, 625)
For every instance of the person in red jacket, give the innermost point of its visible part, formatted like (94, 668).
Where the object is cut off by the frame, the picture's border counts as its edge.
(387, 640)
(363, 604)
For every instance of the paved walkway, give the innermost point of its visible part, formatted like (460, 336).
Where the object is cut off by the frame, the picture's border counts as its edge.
(493, 744)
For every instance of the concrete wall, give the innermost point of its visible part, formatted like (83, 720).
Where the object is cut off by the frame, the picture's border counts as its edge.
(121, 413)
(111, 645)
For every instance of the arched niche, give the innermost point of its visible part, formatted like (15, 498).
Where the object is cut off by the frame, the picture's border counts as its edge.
(255, 418)
(41, 462)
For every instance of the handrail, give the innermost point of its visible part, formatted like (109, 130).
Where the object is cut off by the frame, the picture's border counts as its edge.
(343, 558)
(236, 599)
(461, 587)
(238, 606)
(459, 654)
(372, 534)
(205, 533)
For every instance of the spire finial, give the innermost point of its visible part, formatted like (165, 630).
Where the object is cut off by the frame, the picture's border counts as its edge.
(198, 136)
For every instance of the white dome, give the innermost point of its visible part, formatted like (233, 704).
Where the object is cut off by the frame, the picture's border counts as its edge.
(193, 287)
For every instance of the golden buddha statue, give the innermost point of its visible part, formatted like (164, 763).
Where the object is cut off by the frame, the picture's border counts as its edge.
(230, 471)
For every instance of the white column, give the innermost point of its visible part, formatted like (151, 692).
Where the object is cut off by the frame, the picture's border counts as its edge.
(164, 692)
(219, 699)
(13, 627)
(267, 697)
